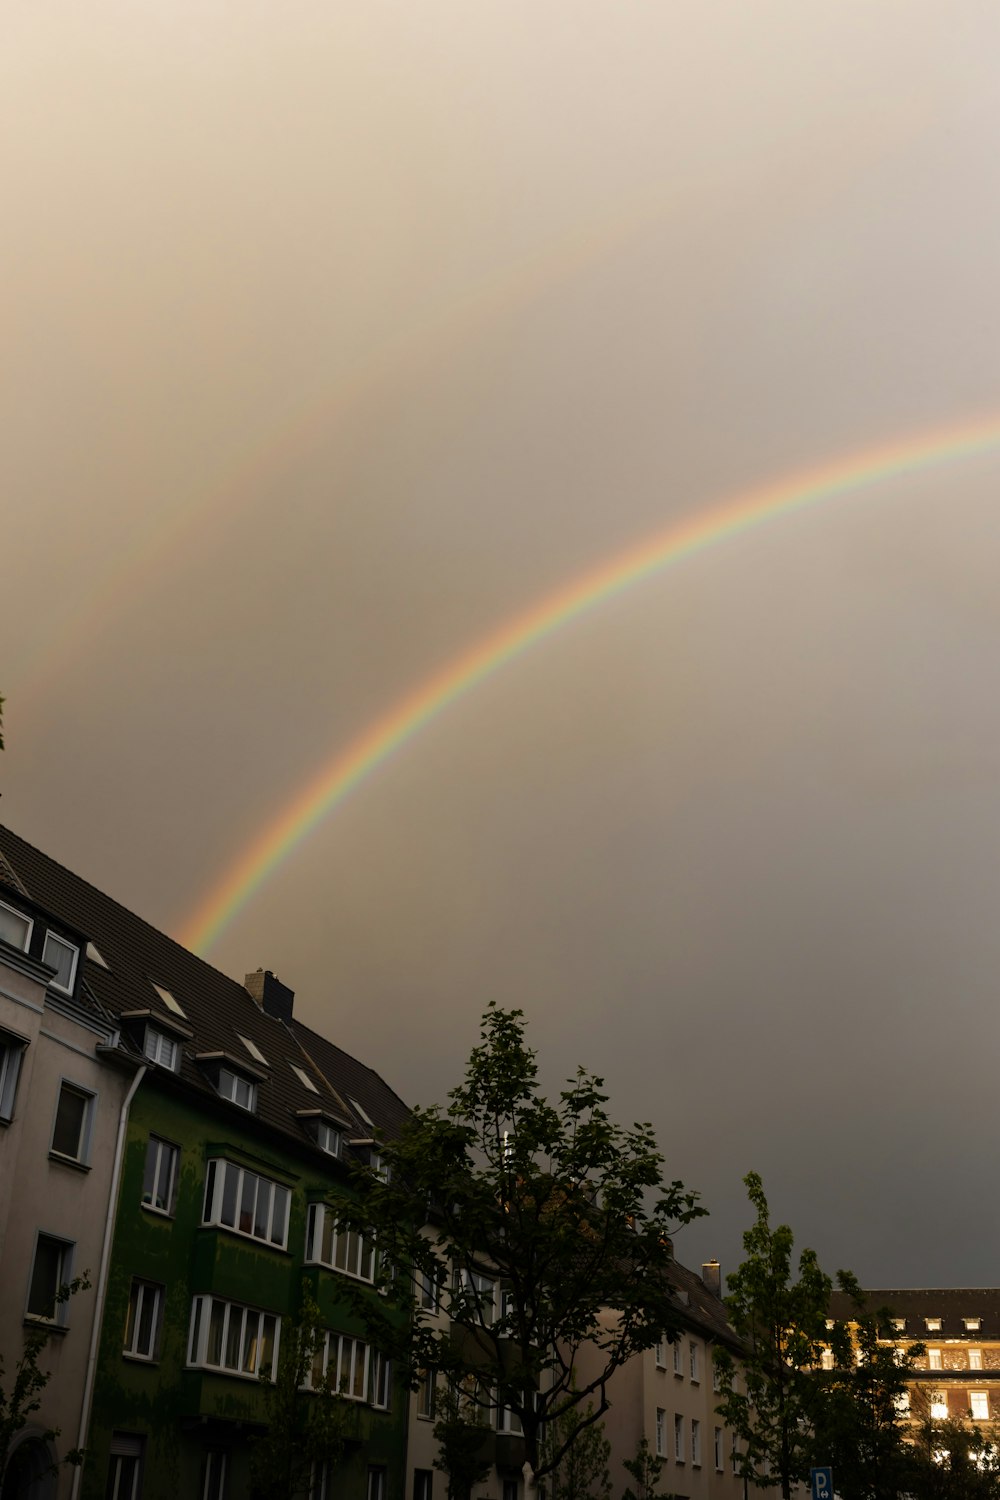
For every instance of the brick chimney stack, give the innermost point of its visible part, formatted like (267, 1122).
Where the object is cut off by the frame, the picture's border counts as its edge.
(711, 1275)
(273, 997)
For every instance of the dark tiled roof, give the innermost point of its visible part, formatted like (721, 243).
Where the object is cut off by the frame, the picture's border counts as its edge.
(216, 1008)
(951, 1304)
(699, 1307)
(355, 1083)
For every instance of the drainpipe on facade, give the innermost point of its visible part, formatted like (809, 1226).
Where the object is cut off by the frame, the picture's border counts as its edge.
(102, 1274)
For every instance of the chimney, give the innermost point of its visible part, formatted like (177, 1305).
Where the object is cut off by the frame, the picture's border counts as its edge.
(273, 997)
(711, 1275)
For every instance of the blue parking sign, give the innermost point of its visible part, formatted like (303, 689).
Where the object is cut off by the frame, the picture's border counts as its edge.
(822, 1484)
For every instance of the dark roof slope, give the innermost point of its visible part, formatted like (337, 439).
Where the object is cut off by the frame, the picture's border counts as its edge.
(915, 1304)
(701, 1308)
(354, 1082)
(216, 1008)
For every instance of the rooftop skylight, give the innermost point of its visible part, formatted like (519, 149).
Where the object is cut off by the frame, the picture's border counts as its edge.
(168, 999)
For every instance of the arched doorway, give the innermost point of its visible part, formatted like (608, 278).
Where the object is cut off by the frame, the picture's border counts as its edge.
(30, 1473)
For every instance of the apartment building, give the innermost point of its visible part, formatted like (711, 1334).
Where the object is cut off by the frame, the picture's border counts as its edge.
(958, 1375)
(219, 1131)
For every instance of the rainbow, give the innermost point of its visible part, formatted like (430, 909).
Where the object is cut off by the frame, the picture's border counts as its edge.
(354, 763)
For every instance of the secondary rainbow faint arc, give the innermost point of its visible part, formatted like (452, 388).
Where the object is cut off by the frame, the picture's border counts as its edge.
(404, 719)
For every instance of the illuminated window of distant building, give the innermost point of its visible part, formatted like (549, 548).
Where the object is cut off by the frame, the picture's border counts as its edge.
(939, 1406)
(972, 1325)
(934, 1359)
(899, 1324)
(933, 1325)
(975, 1359)
(826, 1359)
(979, 1404)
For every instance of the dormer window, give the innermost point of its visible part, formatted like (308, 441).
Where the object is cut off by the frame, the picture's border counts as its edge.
(15, 927)
(899, 1324)
(972, 1325)
(239, 1090)
(933, 1325)
(324, 1132)
(61, 956)
(161, 1049)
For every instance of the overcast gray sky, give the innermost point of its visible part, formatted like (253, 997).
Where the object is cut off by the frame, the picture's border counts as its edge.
(337, 334)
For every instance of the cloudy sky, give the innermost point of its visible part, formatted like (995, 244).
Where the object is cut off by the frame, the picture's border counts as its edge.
(338, 334)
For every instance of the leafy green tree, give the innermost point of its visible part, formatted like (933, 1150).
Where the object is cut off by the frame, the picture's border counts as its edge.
(645, 1469)
(582, 1472)
(305, 1428)
(952, 1460)
(551, 1223)
(21, 1393)
(860, 1422)
(781, 1320)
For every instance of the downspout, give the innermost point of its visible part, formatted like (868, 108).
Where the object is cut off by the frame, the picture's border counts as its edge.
(102, 1274)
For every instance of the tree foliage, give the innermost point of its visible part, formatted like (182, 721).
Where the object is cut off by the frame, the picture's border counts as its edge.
(550, 1223)
(645, 1469)
(462, 1438)
(21, 1393)
(952, 1460)
(305, 1427)
(860, 1426)
(781, 1319)
(582, 1472)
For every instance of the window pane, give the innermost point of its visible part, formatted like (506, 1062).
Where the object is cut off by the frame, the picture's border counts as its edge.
(60, 956)
(46, 1277)
(147, 1305)
(247, 1203)
(262, 1214)
(67, 1138)
(267, 1342)
(279, 1216)
(230, 1183)
(14, 928)
(215, 1331)
(250, 1336)
(234, 1337)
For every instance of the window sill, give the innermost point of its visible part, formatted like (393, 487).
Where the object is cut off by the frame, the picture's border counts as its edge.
(245, 1239)
(323, 1266)
(229, 1374)
(141, 1359)
(159, 1213)
(69, 1161)
(31, 1320)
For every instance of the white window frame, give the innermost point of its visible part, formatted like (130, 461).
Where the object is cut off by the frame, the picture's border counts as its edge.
(972, 1325)
(426, 1403)
(694, 1362)
(250, 1325)
(678, 1438)
(22, 917)
(81, 1156)
(125, 1466)
(660, 1353)
(375, 1483)
(678, 1362)
(12, 1049)
(55, 937)
(246, 1197)
(696, 1442)
(161, 1050)
(328, 1137)
(933, 1325)
(213, 1486)
(160, 1150)
(975, 1359)
(717, 1450)
(232, 1085)
(939, 1406)
(380, 1374)
(660, 1432)
(352, 1365)
(429, 1288)
(346, 1251)
(982, 1400)
(479, 1292)
(934, 1359)
(141, 1293)
(64, 1275)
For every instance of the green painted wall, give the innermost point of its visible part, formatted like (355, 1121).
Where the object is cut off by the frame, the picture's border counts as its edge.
(179, 1411)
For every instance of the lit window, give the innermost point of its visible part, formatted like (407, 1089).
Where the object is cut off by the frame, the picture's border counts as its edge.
(902, 1403)
(340, 1249)
(168, 999)
(142, 1327)
(62, 957)
(933, 1325)
(227, 1336)
(679, 1439)
(253, 1050)
(240, 1200)
(11, 1051)
(939, 1406)
(161, 1049)
(975, 1359)
(826, 1359)
(50, 1272)
(304, 1078)
(934, 1359)
(661, 1431)
(830, 1325)
(695, 1441)
(899, 1324)
(979, 1405)
(159, 1177)
(15, 928)
(237, 1089)
(972, 1325)
(71, 1132)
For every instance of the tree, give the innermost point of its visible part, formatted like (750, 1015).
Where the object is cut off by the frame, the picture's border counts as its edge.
(645, 1470)
(552, 1224)
(860, 1426)
(782, 1323)
(462, 1438)
(582, 1472)
(305, 1427)
(952, 1460)
(21, 1396)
